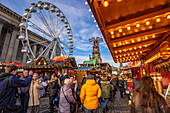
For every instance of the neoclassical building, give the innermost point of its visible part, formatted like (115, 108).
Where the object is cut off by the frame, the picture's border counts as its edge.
(10, 45)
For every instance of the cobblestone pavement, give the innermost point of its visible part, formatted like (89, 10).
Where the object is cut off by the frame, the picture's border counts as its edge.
(118, 105)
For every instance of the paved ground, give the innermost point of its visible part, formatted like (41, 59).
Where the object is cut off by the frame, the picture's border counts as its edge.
(117, 106)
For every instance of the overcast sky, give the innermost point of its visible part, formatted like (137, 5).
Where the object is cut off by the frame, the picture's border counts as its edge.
(82, 24)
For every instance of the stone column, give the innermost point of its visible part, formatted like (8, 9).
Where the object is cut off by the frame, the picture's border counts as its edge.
(11, 46)
(6, 45)
(1, 25)
(15, 50)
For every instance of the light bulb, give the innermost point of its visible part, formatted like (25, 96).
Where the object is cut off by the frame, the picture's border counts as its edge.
(120, 30)
(137, 25)
(106, 3)
(158, 20)
(168, 16)
(112, 32)
(147, 22)
(128, 28)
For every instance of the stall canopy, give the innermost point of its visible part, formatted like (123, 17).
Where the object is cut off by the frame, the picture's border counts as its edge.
(132, 28)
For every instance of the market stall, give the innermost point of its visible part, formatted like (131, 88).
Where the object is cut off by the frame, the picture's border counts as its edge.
(58, 64)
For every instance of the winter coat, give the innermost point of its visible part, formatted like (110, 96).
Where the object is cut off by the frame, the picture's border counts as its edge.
(90, 92)
(24, 89)
(53, 88)
(114, 83)
(135, 83)
(64, 106)
(160, 105)
(9, 96)
(33, 93)
(121, 84)
(106, 89)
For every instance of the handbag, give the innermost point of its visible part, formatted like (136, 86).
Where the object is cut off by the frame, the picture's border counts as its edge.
(72, 105)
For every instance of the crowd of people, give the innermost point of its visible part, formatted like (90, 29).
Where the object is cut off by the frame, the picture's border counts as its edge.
(64, 96)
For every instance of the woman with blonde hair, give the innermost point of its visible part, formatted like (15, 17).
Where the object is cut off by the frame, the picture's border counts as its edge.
(146, 99)
(34, 101)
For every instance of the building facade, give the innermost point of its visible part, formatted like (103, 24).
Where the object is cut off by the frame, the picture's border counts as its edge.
(10, 45)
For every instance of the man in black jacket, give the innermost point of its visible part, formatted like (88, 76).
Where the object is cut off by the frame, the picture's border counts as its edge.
(9, 94)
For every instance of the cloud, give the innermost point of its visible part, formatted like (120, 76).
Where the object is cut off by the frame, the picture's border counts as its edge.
(80, 59)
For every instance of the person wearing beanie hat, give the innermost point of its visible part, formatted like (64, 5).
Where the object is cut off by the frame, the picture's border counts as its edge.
(89, 95)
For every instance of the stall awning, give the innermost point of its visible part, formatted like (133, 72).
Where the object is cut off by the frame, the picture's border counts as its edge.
(132, 28)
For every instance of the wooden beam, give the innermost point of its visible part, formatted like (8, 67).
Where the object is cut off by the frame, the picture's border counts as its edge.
(143, 33)
(148, 42)
(138, 16)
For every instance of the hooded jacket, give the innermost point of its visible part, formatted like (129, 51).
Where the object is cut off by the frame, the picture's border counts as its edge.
(9, 96)
(106, 88)
(90, 92)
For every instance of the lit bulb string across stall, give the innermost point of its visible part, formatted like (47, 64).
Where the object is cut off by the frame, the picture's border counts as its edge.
(130, 37)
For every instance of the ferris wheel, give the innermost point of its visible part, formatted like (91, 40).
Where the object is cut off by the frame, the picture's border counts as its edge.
(48, 22)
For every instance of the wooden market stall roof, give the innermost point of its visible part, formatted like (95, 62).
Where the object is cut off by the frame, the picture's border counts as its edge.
(132, 28)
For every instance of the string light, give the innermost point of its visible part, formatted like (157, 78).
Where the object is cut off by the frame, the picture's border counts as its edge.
(130, 49)
(116, 52)
(112, 32)
(147, 22)
(96, 25)
(140, 47)
(145, 45)
(153, 36)
(136, 52)
(98, 28)
(140, 51)
(86, 3)
(94, 20)
(124, 55)
(120, 44)
(120, 51)
(139, 39)
(135, 48)
(92, 15)
(113, 36)
(126, 42)
(128, 54)
(114, 45)
(132, 53)
(89, 10)
(146, 37)
(133, 41)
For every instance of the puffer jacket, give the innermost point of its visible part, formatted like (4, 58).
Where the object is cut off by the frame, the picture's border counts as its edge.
(135, 83)
(160, 106)
(64, 106)
(53, 88)
(106, 89)
(90, 92)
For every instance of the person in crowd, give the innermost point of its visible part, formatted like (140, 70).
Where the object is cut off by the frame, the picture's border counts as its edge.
(53, 89)
(24, 95)
(31, 73)
(41, 78)
(8, 96)
(146, 99)
(83, 80)
(89, 95)
(47, 77)
(113, 81)
(121, 86)
(66, 97)
(60, 76)
(34, 101)
(106, 91)
(135, 82)
(97, 78)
